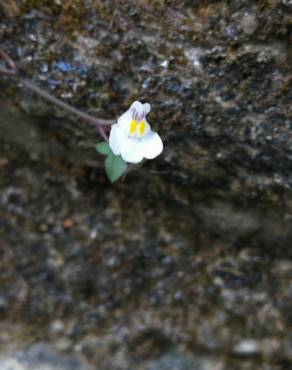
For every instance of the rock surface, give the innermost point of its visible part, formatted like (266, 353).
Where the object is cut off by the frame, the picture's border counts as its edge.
(189, 258)
(41, 357)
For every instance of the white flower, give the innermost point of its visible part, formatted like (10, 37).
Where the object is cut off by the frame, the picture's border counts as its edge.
(132, 137)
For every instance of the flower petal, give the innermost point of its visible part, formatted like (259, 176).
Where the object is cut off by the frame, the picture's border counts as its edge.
(143, 129)
(138, 107)
(146, 108)
(116, 139)
(131, 150)
(125, 120)
(134, 115)
(151, 145)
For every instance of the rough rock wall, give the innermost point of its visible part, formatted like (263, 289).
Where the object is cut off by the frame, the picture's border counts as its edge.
(193, 248)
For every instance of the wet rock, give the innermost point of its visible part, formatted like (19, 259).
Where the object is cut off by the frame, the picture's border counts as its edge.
(41, 357)
(175, 361)
(246, 347)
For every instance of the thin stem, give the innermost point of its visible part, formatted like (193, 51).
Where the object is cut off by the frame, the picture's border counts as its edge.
(13, 72)
(13, 68)
(97, 122)
(132, 167)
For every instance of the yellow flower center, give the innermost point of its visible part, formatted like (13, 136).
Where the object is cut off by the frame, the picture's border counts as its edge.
(141, 128)
(133, 126)
(137, 128)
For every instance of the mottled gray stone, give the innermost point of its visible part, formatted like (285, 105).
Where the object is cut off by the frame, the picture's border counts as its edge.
(176, 361)
(41, 356)
(191, 250)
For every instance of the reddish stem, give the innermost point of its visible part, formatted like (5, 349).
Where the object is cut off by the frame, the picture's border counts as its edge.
(13, 68)
(13, 72)
(97, 122)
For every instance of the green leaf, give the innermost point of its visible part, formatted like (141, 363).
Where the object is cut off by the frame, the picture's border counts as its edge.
(115, 167)
(103, 148)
